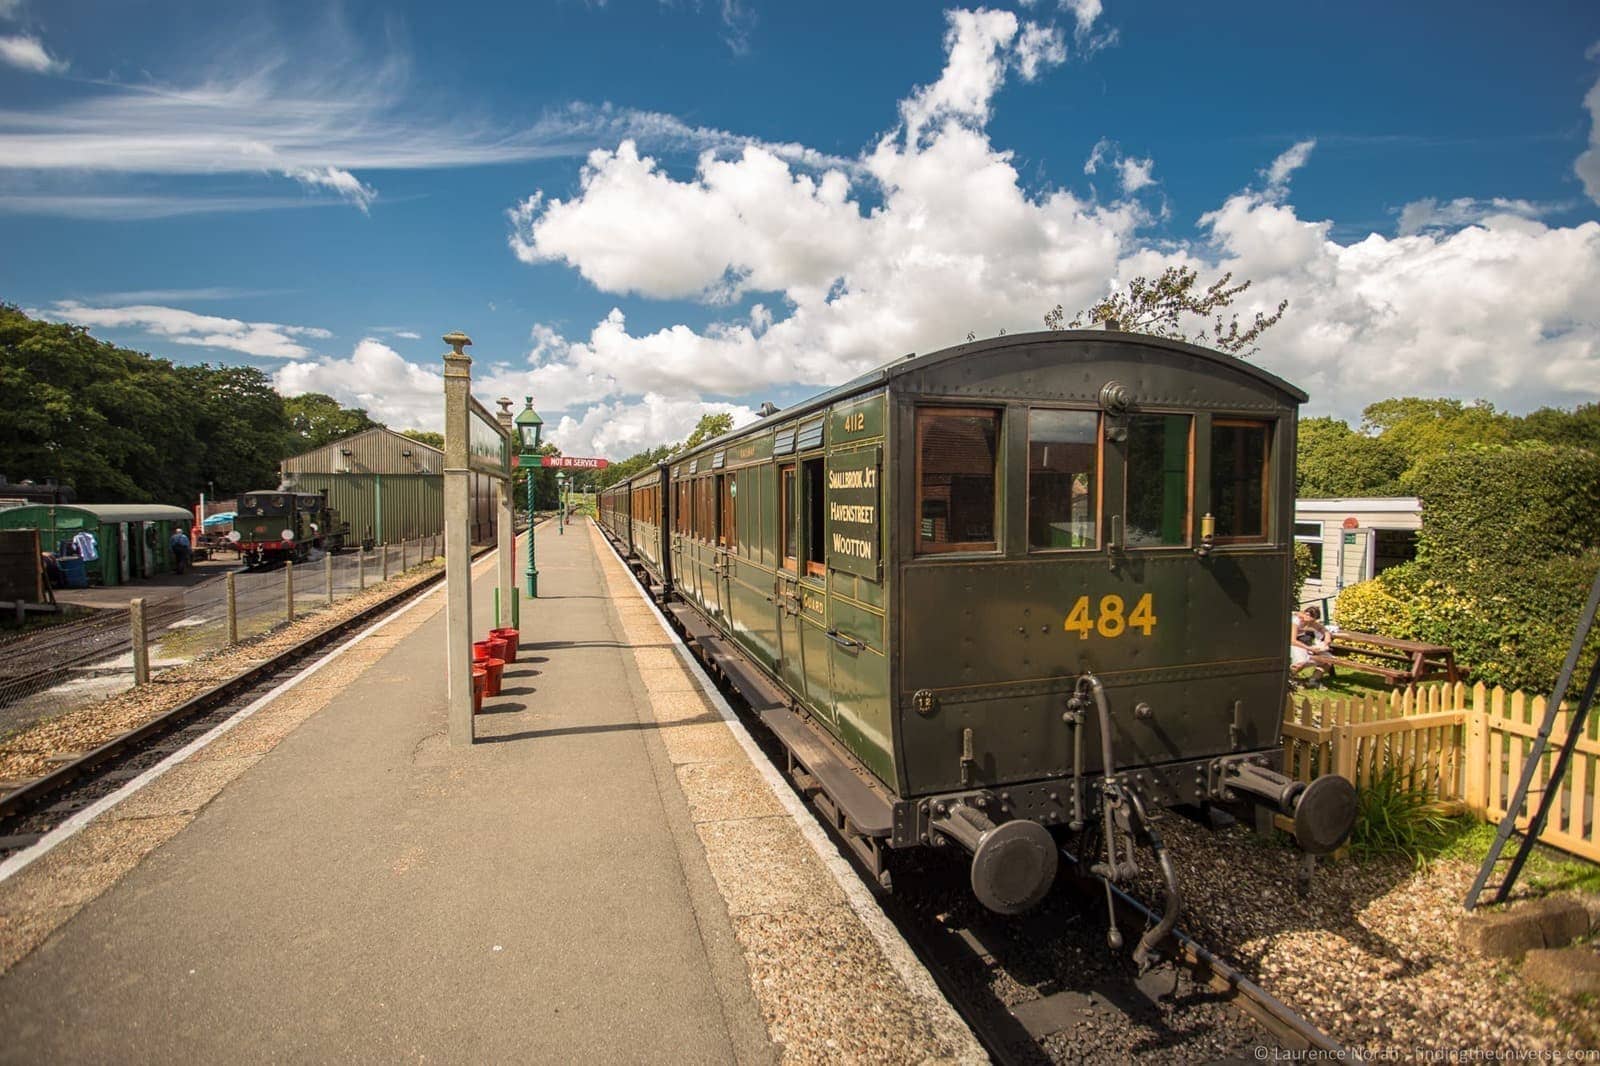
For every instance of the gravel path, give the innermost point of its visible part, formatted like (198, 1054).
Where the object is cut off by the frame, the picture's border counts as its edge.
(1369, 954)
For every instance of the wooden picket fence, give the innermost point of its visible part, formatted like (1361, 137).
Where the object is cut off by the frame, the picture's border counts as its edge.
(1464, 745)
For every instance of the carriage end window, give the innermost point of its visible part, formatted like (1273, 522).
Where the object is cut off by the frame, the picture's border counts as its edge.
(1239, 480)
(1158, 449)
(956, 449)
(1063, 465)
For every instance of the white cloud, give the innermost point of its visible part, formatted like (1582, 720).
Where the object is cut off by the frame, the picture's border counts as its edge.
(374, 377)
(1429, 214)
(321, 123)
(267, 339)
(1278, 173)
(618, 430)
(400, 393)
(931, 234)
(27, 53)
(976, 43)
(122, 208)
(1038, 47)
(1084, 12)
(1135, 174)
(9, 9)
(1588, 164)
(342, 182)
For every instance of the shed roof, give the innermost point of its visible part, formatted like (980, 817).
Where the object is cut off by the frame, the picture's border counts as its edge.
(374, 451)
(108, 512)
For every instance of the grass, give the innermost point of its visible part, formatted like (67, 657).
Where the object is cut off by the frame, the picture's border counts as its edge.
(1547, 870)
(1395, 817)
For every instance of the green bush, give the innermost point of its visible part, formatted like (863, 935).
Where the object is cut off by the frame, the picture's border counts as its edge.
(1304, 569)
(1514, 632)
(1489, 510)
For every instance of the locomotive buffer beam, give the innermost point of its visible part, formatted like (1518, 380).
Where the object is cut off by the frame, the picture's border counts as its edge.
(1324, 811)
(1013, 864)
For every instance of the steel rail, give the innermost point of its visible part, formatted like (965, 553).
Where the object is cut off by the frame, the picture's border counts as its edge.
(1280, 1019)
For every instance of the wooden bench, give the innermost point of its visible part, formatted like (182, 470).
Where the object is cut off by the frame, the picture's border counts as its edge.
(1412, 660)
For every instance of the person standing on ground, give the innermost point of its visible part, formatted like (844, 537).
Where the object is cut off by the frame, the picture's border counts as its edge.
(180, 551)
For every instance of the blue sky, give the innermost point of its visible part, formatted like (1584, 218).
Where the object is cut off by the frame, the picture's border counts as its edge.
(644, 211)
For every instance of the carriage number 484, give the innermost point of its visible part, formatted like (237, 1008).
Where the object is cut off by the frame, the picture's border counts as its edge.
(1113, 618)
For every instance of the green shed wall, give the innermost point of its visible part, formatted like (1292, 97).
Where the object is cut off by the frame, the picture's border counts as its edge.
(392, 506)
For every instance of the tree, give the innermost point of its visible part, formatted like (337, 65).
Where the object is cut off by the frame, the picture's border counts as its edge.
(707, 428)
(1335, 460)
(241, 427)
(319, 419)
(425, 436)
(117, 425)
(1425, 428)
(1578, 428)
(1160, 308)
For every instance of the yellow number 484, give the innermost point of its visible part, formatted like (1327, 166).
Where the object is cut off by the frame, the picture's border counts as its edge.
(1111, 621)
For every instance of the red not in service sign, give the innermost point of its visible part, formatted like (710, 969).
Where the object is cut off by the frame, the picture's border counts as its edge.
(575, 462)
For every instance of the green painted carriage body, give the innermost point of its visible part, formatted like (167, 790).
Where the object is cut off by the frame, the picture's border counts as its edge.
(949, 670)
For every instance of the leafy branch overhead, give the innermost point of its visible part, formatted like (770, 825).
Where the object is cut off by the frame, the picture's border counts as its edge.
(1162, 307)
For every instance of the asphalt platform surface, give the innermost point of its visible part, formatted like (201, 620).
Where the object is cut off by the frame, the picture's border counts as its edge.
(364, 892)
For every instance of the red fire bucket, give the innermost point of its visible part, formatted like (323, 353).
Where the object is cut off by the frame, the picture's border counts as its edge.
(480, 681)
(494, 667)
(510, 635)
(480, 651)
(497, 648)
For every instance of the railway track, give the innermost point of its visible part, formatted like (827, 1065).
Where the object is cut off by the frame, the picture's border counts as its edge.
(1046, 987)
(30, 811)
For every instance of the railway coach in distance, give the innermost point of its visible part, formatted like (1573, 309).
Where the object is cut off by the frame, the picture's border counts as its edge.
(1005, 595)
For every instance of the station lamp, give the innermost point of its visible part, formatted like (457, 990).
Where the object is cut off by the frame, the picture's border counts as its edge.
(529, 428)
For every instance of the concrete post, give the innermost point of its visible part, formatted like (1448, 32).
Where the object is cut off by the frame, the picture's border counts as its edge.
(361, 569)
(384, 548)
(327, 578)
(233, 610)
(506, 541)
(141, 641)
(288, 590)
(405, 555)
(457, 537)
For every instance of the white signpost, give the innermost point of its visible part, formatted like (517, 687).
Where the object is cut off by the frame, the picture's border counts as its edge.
(475, 441)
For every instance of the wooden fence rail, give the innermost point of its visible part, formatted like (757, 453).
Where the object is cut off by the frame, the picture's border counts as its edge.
(1464, 745)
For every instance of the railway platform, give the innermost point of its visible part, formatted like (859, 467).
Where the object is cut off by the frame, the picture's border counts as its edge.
(607, 875)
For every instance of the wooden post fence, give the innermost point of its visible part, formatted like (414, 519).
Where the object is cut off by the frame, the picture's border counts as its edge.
(1465, 746)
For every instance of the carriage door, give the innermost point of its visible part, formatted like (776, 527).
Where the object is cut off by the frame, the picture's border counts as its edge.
(791, 653)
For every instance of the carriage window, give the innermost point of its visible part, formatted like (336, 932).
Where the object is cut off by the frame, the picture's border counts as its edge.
(956, 479)
(816, 561)
(1158, 480)
(787, 533)
(1239, 479)
(1063, 461)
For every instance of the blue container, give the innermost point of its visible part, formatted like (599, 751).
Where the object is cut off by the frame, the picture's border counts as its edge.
(74, 572)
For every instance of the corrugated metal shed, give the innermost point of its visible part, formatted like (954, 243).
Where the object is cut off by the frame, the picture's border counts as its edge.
(375, 451)
(388, 486)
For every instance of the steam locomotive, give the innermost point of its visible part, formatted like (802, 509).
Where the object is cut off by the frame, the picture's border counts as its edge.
(282, 525)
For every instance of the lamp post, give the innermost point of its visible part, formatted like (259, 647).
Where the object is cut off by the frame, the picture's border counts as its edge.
(529, 427)
(561, 503)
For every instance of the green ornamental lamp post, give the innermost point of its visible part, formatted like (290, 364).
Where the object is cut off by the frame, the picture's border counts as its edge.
(529, 427)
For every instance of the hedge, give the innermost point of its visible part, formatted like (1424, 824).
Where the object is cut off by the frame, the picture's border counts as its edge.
(1516, 635)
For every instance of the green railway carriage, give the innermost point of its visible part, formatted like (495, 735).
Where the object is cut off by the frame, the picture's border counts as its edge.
(1003, 592)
